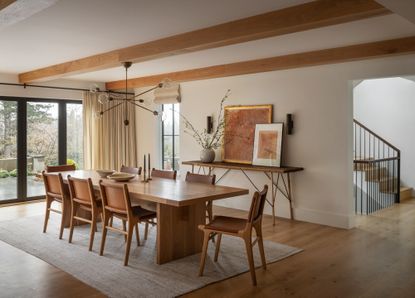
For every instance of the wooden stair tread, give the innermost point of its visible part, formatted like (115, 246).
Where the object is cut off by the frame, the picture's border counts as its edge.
(406, 193)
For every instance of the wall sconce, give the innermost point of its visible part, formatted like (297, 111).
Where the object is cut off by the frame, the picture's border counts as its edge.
(290, 124)
(209, 127)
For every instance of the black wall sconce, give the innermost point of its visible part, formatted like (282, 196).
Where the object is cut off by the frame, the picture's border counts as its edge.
(290, 124)
(209, 124)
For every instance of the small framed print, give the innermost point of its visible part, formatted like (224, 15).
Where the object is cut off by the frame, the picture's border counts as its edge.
(268, 144)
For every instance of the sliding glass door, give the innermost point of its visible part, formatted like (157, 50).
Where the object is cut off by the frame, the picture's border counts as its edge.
(8, 150)
(35, 133)
(42, 143)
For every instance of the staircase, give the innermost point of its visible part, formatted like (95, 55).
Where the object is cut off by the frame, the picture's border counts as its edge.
(376, 168)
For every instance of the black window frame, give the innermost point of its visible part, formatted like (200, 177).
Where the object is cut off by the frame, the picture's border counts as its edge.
(22, 140)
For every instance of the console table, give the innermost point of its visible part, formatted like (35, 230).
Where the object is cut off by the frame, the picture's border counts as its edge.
(280, 178)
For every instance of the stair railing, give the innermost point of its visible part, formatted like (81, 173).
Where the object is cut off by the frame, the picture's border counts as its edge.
(377, 171)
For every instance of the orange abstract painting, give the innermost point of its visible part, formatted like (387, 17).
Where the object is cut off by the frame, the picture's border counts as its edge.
(240, 122)
(267, 144)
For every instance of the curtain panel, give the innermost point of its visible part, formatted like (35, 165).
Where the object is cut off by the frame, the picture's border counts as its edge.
(108, 143)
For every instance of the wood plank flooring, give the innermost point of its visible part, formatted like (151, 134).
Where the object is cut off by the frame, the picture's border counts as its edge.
(376, 259)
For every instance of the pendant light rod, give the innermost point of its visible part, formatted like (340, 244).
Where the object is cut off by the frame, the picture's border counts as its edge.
(57, 88)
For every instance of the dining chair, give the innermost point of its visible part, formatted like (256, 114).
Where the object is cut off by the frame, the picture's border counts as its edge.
(55, 192)
(238, 227)
(164, 174)
(116, 202)
(60, 168)
(206, 179)
(130, 170)
(83, 198)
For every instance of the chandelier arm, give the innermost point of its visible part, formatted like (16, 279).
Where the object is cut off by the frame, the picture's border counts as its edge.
(118, 99)
(144, 108)
(113, 107)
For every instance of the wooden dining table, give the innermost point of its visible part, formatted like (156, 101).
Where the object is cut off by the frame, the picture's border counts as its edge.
(180, 206)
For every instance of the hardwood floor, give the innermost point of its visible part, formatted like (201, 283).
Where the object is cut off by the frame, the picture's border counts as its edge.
(376, 259)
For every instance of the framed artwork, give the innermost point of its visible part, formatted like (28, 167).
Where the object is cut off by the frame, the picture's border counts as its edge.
(239, 132)
(268, 144)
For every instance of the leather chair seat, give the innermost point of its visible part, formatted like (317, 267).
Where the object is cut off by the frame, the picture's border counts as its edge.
(227, 224)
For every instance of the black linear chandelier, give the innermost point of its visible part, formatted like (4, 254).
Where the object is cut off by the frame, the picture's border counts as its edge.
(123, 100)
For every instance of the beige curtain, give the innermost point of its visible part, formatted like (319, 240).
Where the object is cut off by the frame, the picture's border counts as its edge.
(108, 143)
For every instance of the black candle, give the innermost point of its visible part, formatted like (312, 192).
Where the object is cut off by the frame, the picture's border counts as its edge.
(145, 167)
(149, 167)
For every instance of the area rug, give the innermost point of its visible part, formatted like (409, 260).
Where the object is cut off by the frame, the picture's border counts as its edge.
(143, 277)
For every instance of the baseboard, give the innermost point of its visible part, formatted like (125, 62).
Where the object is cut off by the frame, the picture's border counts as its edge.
(325, 218)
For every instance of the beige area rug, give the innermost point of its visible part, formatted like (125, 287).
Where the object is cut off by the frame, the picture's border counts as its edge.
(143, 277)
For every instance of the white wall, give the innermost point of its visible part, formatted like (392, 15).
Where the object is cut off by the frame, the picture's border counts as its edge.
(321, 100)
(43, 93)
(387, 107)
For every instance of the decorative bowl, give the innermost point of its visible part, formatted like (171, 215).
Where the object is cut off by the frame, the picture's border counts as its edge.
(105, 173)
(121, 177)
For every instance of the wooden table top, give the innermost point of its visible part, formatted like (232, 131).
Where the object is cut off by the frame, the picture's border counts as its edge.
(240, 166)
(165, 191)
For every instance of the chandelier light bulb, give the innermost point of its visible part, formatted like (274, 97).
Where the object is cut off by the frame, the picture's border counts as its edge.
(98, 114)
(103, 98)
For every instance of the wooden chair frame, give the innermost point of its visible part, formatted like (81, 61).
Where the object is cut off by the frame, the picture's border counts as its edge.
(131, 170)
(60, 168)
(130, 221)
(207, 179)
(91, 207)
(254, 221)
(164, 174)
(51, 197)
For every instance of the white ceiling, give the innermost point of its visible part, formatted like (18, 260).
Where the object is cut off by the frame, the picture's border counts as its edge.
(72, 29)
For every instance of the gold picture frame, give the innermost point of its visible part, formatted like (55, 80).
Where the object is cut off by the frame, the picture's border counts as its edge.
(239, 133)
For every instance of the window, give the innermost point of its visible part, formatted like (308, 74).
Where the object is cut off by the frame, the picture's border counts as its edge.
(74, 131)
(170, 136)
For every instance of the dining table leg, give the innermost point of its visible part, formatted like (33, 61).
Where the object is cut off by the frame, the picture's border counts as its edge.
(178, 234)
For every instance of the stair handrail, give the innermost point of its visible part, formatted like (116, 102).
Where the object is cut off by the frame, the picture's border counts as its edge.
(378, 136)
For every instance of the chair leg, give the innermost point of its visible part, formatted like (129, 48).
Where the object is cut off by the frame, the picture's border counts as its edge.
(124, 228)
(127, 248)
(261, 246)
(204, 252)
(62, 218)
(111, 220)
(209, 210)
(250, 256)
(217, 247)
(137, 234)
(73, 212)
(146, 231)
(104, 234)
(47, 213)
(92, 233)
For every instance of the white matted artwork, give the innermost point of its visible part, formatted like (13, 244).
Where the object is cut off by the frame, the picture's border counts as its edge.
(268, 144)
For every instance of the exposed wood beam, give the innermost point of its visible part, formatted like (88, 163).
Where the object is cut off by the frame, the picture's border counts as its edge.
(328, 56)
(292, 19)
(5, 3)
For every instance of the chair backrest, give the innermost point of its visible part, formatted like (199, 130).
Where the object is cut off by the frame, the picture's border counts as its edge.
(53, 185)
(164, 174)
(257, 205)
(130, 170)
(115, 197)
(81, 190)
(60, 168)
(207, 179)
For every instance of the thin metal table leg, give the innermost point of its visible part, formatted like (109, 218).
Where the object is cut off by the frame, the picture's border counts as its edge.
(289, 193)
(273, 194)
